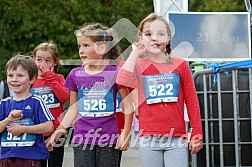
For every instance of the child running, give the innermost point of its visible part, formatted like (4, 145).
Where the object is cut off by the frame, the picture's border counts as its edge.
(93, 100)
(50, 87)
(24, 117)
(165, 83)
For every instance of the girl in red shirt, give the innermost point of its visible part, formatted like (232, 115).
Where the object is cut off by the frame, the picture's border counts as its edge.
(165, 84)
(50, 87)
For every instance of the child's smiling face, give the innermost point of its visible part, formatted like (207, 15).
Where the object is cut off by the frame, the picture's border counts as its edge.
(19, 80)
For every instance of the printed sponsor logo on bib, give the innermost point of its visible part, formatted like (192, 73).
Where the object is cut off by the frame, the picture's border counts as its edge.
(161, 87)
(24, 139)
(47, 95)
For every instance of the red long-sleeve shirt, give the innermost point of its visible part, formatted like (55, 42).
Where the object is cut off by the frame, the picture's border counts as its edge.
(120, 115)
(56, 83)
(166, 117)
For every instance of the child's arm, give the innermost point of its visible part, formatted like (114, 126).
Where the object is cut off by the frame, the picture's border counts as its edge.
(124, 138)
(57, 85)
(72, 113)
(126, 76)
(193, 110)
(13, 116)
(134, 95)
(137, 51)
(41, 128)
(67, 121)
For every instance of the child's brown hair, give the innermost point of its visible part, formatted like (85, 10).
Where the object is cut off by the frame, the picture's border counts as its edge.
(50, 47)
(26, 62)
(101, 34)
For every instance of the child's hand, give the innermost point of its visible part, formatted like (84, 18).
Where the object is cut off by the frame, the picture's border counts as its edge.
(49, 145)
(44, 68)
(15, 115)
(50, 142)
(15, 129)
(195, 146)
(123, 142)
(139, 48)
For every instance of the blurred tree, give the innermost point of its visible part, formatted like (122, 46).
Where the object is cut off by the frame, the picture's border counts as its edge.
(217, 6)
(26, 23)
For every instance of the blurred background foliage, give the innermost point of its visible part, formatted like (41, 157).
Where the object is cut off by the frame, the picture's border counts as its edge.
(26, 23)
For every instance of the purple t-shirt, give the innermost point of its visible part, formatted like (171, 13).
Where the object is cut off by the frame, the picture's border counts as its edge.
(96, 122)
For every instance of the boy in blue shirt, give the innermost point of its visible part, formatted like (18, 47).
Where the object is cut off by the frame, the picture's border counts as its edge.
(24, 117)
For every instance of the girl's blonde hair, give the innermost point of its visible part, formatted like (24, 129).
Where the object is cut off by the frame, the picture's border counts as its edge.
(101, 34)
(52, 48)
(150, 18)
